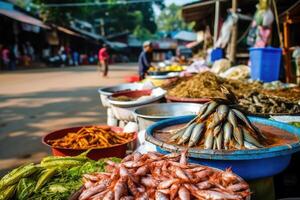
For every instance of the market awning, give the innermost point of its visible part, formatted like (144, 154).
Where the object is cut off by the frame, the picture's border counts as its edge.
(21, 17)
(186, 36)
(198, 10)
(68, 31)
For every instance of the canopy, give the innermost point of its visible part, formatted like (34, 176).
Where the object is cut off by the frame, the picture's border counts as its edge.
(21, 17)
(186, 36)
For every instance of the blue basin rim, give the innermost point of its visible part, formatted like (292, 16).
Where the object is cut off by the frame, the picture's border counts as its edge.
(227, 155)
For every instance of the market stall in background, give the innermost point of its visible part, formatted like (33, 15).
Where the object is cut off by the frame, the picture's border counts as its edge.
(203, 124)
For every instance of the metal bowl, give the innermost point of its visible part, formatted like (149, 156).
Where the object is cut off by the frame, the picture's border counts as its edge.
(249, 164)
(149, 114)
(105, 92)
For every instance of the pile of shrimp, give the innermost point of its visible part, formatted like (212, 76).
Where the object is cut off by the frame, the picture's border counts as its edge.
(162, 177)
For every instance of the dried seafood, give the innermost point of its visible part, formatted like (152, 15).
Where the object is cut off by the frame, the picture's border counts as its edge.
(157, 176)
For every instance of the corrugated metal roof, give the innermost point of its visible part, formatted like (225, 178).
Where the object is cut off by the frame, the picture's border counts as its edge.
(21, 17)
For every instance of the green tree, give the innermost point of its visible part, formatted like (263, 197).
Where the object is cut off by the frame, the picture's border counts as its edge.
(170, 19)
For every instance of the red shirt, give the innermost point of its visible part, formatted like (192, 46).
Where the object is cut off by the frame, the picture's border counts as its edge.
(102, 54)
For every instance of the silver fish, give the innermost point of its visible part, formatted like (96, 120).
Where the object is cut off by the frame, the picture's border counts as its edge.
(227, 129)
(217, 130)
(242, 117)
(215, 121)
(222, 111)
(249, 138)
(219, 140)
(210, 109)
(187, 134)
(196, 134)
(238, 135)
(203, 109)
(249, 145)
(177, 135)
(209, 140)
(232, 119)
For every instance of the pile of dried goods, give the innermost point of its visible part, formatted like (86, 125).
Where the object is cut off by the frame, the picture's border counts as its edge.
(92, 137)
(157, 176)
(207, 85)
(267, 104)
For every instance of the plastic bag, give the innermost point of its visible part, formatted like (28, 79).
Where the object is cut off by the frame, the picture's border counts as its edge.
(268, 18)
(226, 31)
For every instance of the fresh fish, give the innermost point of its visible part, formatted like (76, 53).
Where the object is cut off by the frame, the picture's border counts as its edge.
(210, 109)
(120, 188)
(183, 159)
(238, 187)
(249, 145)
(217, 130)
(173, 191)
(142, 171)
(222, 112)
(196, 134)
(167, 183)
(160, 196)
(184, 193)
(215, 121)
(181, 174)
(249, 138)
(215, 143)
(149, 182)
(127, 198)
(177, 135)
(187, 134)
(238, 136)
(203, 109)
(96, 189)
(232, 119)
(219, 140)
(204, 185)
(209, 140)
(227, 129)
(244, 119)
(109, 196)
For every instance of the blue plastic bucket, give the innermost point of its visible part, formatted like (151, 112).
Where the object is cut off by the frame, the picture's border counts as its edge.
(216, 54)
(265, 63)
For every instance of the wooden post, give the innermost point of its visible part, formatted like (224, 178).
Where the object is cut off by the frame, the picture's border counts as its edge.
(232, 52)
(286, 52)
(217, 18)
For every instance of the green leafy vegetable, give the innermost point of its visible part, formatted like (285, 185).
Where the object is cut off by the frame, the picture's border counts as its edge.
(25, 188)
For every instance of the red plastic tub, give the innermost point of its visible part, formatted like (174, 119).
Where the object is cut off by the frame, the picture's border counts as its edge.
(118, 151)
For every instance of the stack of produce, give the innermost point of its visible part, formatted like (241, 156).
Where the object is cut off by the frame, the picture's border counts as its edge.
(55, 178)
(157, 176)
(92, 137)
(218, 126)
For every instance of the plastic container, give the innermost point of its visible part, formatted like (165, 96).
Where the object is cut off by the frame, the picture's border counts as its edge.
(249, 164)
(105, 92)
(265, 63)
(216, 54)
(95, 154)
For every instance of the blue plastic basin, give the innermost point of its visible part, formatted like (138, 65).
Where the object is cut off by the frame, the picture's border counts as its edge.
(249, 164)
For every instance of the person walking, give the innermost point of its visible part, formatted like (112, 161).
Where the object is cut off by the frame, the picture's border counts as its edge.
(103, 57)
(145, 59)
(5, 57)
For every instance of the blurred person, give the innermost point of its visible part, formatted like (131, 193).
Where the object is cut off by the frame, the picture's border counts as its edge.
(75, 56)
(103, 57)
(145, 59)
(31, 52)
(5, 57)
(12, 58)
(63, 56)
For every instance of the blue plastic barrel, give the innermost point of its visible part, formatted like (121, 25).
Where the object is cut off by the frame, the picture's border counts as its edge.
(265, 63)
(216, 54)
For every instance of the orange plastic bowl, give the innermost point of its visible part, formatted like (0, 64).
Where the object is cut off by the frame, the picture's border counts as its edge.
(118, 150)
